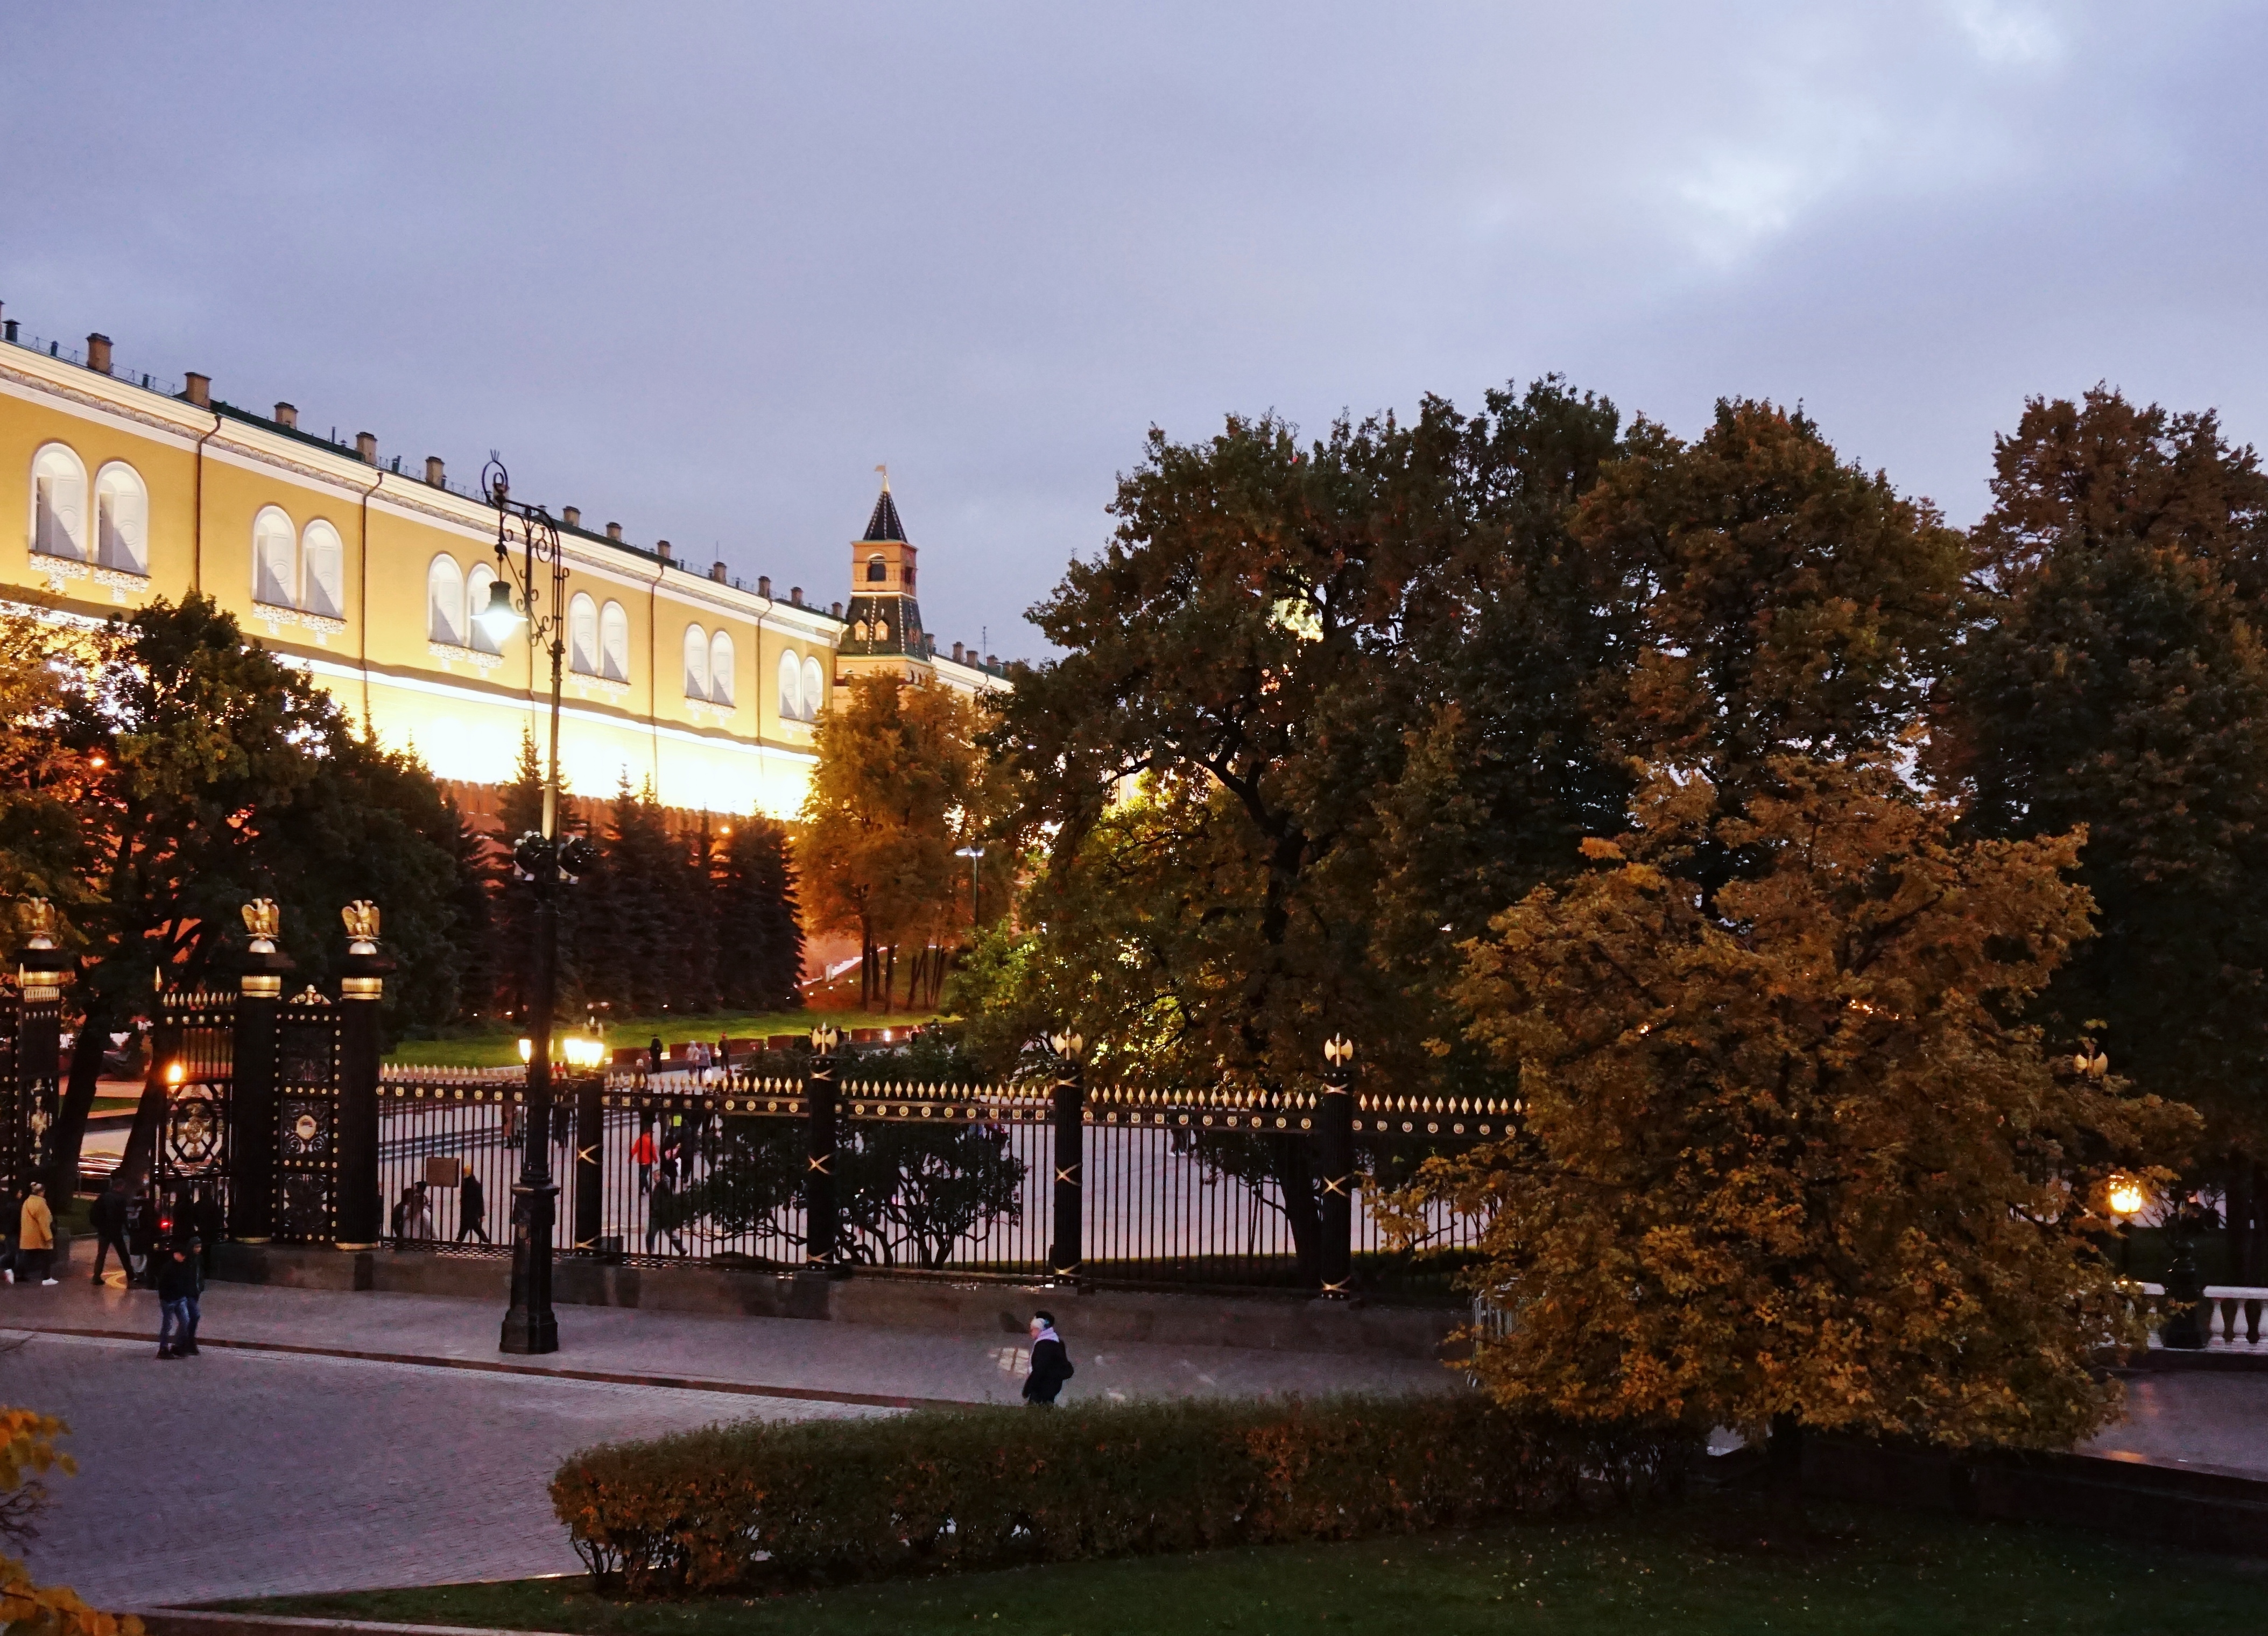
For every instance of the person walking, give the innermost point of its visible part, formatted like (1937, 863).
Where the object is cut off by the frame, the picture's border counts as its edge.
(642, 1155)
(178, 1288)
(660, 1213)
(653, 1055)
(1050, 1363)
(108, 1215)
(35, 1238)
(420, 1211)
(473, 1209)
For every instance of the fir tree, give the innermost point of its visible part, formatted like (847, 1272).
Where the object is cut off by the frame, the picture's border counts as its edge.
(759, 935)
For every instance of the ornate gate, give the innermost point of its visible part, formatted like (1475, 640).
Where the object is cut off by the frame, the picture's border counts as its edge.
(28, 1088)
(192, 1156)
(307, 1119)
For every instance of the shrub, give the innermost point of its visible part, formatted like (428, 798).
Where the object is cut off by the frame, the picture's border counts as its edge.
(819, 1502)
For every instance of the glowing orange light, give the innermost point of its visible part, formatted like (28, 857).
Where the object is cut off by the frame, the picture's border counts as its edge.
(174, 1073)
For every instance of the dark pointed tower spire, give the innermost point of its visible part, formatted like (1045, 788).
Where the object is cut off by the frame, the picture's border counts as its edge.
(884, 524)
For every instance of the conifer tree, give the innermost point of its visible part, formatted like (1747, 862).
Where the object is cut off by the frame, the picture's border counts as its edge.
(759, 933)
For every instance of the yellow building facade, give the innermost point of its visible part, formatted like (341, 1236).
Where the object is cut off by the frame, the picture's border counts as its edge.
(365, 571)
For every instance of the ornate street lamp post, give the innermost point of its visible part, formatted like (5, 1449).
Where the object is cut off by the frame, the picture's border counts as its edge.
(530, 1325)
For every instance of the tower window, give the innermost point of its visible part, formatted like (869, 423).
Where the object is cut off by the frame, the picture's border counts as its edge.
(877, 570)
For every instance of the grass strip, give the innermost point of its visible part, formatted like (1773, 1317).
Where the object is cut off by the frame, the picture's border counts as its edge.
(1711, 1566)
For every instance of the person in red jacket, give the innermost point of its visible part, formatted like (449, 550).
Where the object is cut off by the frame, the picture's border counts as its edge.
(641, 1151)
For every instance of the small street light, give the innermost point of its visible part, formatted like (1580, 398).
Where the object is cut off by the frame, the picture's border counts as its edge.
(975, 855)
(2126, 1198)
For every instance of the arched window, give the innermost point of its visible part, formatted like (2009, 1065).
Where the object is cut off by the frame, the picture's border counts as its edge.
(478, 578)
(814, 687)
(275, 559)
(583, 633)
(122, 519)
(444, 601)
(614, 643)
(790, 680)
(721, 668)
(323, 561)
(58, 504)
(877, 570)
(696, 662)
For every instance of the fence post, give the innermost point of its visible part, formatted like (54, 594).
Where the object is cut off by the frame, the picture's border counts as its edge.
(252, 1079)
(822, 1221)
(589, 1160)
(1335, 1148)
(361, 1211)
(1065, 1254)
(43, 971)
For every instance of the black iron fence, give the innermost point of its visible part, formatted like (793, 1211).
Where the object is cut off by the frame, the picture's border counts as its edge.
(277, 1115)
(718, 1166)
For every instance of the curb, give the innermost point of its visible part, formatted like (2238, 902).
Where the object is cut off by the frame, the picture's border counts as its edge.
(189, 1622)
(477, 1366)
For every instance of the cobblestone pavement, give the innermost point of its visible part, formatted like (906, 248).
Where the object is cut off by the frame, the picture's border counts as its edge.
(246, 1472)
(242, 1473)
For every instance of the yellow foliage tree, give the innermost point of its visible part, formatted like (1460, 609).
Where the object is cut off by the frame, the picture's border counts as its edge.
(27, 1452)
(1785, 1160)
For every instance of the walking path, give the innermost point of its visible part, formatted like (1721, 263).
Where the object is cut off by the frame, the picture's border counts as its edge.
(330, 1440)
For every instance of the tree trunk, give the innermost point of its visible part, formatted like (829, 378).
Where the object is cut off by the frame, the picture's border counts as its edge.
(1295, 1179)
(78, 1101)
(890, 978)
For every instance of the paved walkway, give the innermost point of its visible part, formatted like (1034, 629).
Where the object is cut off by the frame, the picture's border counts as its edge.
(252, 1470)
(2205, 1421)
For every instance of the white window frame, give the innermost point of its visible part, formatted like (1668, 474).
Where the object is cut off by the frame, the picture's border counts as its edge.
(122, 548)
(583, 633)
(790, 685)
(321, 593)
(724, 662)
(445, 600)
(696, 662)
(272, 528)
(478, 578)
(59, 494)
(614, 642)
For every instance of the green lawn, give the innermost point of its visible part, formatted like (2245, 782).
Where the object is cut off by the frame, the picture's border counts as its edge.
(499, 1047)
(1712, 1567)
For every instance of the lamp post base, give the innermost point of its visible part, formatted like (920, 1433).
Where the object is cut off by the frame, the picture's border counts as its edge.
(530, 1328)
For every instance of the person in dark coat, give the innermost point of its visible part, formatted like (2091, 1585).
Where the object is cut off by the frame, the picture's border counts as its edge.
(473, 1209)
(178, 1287)
(108, 1215)
(1050, 1363)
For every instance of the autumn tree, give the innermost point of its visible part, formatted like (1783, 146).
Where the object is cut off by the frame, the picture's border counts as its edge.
(2113, 676)
(200, 772)
(1785, 1161)
(900, 786)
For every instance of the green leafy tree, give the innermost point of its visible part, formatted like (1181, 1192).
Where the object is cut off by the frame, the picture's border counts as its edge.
(1784, 1162)
(2114, 676)
(204, 772)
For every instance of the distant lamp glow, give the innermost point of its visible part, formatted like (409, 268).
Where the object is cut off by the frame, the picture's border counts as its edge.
(2126, 1195)
(527, 1051)
(174, 1073)
(500, 618)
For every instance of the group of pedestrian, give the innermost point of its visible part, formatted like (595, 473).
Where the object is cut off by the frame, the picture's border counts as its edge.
(174, 1261)
(413, 1212)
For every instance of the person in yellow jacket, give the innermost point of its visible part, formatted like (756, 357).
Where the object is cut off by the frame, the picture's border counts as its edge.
(35, 1238)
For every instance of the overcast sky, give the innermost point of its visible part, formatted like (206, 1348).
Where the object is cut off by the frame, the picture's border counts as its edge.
(699, 268)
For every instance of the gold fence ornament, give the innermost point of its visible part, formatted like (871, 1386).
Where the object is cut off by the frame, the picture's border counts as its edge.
(361, 919)
(264, 921)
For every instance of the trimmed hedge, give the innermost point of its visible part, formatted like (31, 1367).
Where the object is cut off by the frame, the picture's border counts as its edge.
(828, 1501)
